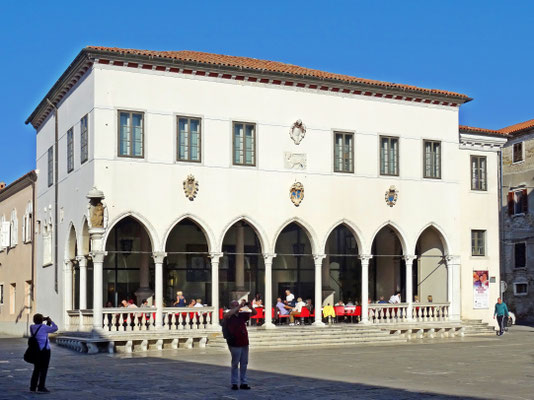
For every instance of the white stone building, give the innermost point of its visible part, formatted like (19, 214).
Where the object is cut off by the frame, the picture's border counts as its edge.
(387, 194)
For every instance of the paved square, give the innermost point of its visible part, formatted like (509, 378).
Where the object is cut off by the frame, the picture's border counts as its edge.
(469, 368)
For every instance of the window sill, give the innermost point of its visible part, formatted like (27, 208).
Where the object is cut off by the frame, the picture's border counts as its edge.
(518, 162)
(518, 215)
(48, 265)
(520, 294)
(520, 268)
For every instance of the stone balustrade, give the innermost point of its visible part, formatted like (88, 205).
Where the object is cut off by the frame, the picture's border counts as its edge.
(399, 313)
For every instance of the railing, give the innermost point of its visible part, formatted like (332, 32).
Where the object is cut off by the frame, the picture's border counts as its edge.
(398, 313)
(143, 319)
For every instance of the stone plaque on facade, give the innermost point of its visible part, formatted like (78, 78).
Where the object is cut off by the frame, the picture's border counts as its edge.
(295, 160)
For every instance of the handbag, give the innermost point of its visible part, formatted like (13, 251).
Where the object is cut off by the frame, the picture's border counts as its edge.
(32, 352)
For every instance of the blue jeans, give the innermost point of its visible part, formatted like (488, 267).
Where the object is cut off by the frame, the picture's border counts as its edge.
(239, 357)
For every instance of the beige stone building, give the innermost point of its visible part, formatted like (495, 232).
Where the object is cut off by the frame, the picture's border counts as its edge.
(17, 254)
(518, 219)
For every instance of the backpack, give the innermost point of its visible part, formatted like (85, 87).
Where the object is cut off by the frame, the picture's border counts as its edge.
(226, 332)
(33, 350)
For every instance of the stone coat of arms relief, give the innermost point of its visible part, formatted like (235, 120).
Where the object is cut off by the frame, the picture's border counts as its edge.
(391, 196)
(297, 131)
(190, 187)
(296, 193)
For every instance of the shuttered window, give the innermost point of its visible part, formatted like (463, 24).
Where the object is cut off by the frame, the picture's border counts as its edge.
(517, 202)
(520, 255)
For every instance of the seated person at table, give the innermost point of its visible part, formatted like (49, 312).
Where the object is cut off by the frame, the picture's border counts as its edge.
(429, 298)
(309, 305)
(257, 302)
(192, 304)
(198, 303)
(340, 303)
(290, 298)
(381, 300)
(144, 303)
(416, 299)
(350, 303)
(283, 309)
(180, 300)
(395, 299)
(295, 312)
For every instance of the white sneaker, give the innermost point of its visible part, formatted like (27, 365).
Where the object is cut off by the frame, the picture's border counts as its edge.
(291, 324)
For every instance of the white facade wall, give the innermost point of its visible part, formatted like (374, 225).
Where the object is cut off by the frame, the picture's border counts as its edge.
(151, 188)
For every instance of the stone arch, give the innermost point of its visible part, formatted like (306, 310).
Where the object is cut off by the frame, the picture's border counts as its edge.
(312, 237)
(444, 241)
(210, 239)
(400, 235)
(71, 243)
(84, 239)
(256, 227)
(152, 235)
(352, 228)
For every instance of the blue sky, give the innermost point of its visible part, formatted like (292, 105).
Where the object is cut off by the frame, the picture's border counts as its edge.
(480, 48)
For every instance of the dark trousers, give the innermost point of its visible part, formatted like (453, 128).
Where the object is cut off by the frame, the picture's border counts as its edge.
(501, 319)
(40, 369)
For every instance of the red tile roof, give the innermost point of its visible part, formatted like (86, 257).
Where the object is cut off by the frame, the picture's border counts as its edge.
(269, 66)
(516, 128)
(472, 129)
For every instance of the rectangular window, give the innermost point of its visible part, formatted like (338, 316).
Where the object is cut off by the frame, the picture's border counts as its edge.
(12, 298)
(389, 155)
(84, 140)
(432, 152)
(343, 152)
(188, 139)
(517, 202)
(478, 243)
(131, 134)
(70, 150)
(244, 144)
(517, 152)
(27, 296)
(50, 166)
(1, 294)
(478, 173)
(520, 255)
(520, 289)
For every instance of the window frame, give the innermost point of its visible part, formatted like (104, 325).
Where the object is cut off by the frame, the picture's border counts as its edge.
(50, 165)
(433, 142)
(514, 161)
(1, 293)
(515, 255)
(200, 142)
(244, 154)
(131, 112)
(516, 293)
(485, 180)
(70, 150)
(397, 158)
(484, 249)
(344, 134)
(84, 139)
(516, 208)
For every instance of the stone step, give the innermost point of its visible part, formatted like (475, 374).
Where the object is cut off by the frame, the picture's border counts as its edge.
(294, 344)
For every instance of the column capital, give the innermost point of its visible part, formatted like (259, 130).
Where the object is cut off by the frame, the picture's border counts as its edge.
(215, 256)
(318, 258)
(410, 258)
(68, 264)
(452, 260)
(268, 257)
(158, 257)
(82, 261)
(365, 258)
(98, 256)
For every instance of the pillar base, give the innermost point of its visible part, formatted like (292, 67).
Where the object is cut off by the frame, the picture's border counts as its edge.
(143, 293)
(268, 325)
(364, 322)
(319, 324)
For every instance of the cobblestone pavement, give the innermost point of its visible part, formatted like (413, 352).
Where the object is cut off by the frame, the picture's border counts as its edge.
(469, 368)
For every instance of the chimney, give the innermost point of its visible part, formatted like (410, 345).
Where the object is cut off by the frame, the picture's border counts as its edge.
(2, 185)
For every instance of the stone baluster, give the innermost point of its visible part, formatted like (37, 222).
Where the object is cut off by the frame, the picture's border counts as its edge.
(143, 322)
(114, 322)
(173, 322)
(106, 322)
(187, 321)
(180, 321)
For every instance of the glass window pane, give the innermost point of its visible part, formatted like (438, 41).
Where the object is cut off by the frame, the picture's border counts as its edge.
(124, 134)
(195, 140)
(183, 139)
(137, 122)
(249, 144)
(238, 144)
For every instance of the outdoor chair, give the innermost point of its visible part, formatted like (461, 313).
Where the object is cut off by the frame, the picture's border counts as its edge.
(340, 312)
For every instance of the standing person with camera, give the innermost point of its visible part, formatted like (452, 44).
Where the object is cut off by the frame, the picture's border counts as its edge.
(236, 335)
(40, 332)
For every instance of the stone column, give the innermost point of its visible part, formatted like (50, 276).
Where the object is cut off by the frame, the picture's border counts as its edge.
(144, 291)
(215, 259)
(409, 284)
(318, 260)
(268, 303)
(67, 287)
(365, 287)
(453, 286)
(82, 263)
(158, 276)
(98, 267)
(240, 257)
